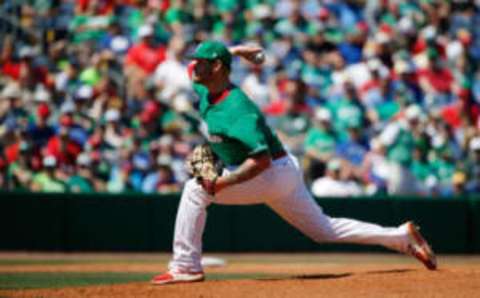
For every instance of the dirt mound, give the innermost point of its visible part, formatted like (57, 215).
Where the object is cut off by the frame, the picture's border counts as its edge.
(372, 277)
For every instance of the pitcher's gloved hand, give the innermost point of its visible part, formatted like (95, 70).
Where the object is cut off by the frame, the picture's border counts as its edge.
(202, 164)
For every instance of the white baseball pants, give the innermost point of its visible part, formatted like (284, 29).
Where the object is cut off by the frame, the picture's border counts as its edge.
(282, 188)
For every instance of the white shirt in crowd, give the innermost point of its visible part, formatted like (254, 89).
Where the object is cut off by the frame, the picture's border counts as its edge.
(173, 76)
(256, 90)
(329, 187)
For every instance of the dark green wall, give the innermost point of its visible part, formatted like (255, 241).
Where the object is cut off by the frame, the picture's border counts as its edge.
(104, 222)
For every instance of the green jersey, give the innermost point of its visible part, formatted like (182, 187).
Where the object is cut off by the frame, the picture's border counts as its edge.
(320, 140)
(236, 127)
(346, 114)
(401, 151)
(421, 170)
(48, 184)
(79, 184)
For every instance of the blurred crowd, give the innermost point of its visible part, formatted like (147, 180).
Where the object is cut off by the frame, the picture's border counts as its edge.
(375, 97)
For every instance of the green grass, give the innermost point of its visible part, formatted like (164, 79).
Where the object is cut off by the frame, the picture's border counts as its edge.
(32, 280)
(36, 280)
(20, 262)
(43, 262)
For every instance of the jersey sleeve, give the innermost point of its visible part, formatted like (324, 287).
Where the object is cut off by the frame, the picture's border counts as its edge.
(249, 131)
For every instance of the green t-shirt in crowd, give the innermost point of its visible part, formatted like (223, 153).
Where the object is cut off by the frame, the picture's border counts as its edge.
(318, 77)
(386, 110)
(15, 167)
(238, 28)
(225, 5)
(90, 76)
(421, 170)
(320, 140)
(292, 124)
(236, 127)
(95, 27)
(48, 184)
(346, 114)
(444, 170)
(177, 15)
(79, 184)
(402, 150)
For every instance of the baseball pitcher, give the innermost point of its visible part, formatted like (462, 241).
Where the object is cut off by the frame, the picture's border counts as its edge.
(257, 170)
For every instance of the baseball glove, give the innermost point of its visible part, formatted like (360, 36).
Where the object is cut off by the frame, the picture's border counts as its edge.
(203, 165)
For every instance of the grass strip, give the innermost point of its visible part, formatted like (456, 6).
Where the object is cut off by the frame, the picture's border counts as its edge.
(22, 262)
(38, 280)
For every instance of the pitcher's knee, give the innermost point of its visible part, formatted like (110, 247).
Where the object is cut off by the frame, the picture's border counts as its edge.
(325, 236)
(325, 233)
(329, 236)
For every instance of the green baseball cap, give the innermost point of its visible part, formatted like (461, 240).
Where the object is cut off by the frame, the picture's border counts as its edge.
(212, 50)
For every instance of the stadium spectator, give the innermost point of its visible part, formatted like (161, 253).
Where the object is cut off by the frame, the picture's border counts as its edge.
(50, 179)
(83, 180)
(333, 184)
(62, 146)
(473, 165)
(171, 77)
(162, 179)
(40, 131)
(320, 143)
(21, 171)
(354, 147)
(293, 123)
(143, 57)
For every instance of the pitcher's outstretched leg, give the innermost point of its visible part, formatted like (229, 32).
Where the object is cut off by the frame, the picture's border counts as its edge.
(303, 212)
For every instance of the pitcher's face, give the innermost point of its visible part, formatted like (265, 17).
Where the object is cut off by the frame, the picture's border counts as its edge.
(203, 70)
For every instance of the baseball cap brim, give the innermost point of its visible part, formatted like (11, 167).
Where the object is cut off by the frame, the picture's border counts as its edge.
(200, 56)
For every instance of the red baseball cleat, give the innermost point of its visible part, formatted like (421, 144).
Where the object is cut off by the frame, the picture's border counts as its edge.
(177, 277)
(419, 248)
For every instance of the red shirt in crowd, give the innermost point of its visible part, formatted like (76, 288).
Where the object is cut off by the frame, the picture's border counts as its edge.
(145, 56)
(15, 69)
(65, 152)
(452, 114)
(11, 69)
(441, 80)
(11, 152)
(104, 7)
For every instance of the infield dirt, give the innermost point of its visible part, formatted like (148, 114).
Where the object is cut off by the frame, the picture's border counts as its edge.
(295, 275)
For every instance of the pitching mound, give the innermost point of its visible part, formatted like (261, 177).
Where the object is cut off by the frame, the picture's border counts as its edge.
(310, 275)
